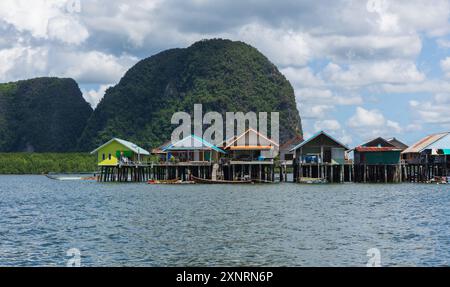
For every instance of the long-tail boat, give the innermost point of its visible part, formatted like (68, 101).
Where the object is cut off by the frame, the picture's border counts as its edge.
(210, 181)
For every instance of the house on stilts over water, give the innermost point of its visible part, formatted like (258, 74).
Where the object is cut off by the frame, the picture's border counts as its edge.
(249, 156)
(321, 157)
(190, 156)
(121, 160)
(428, 158)
(378, 160)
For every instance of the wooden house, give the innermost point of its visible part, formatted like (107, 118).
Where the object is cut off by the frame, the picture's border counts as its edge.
(192, 149)
(432, 149)
(120, 152)
(397, 143)
(250, 156)
(320, 148)
(159, 153)
(251, 146)
(320, 157)
(287, 153)
(378, 151)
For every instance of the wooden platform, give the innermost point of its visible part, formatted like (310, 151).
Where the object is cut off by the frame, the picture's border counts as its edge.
(264, 171)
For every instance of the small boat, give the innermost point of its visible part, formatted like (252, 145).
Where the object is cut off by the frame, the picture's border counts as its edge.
(70, 177)
(170, 181)
(309, 180)
(262, 181)
(439, 180)
(210, 181)
(64, 178)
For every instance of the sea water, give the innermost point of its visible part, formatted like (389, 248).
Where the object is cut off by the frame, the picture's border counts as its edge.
(42, 222)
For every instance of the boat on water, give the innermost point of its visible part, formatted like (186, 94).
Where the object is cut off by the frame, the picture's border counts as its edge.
(71, 177)
(440, 180)
(170, 181)
(210, 181)
(313, 180)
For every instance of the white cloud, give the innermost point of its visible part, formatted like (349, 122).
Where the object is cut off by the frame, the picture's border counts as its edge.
(311, 111)
(443, 43)
(302, 77)
(22, 62)
(366, 73)
(327, 125)
(330, 126)
(366, 118)
(386, 22)
(343, 48)
(413, 127)
(67, 30)
(445, 66)
(372, 123)
(427, 86)
(93, 96)
(295, 49)
(91, 67)
(435, 111)
(420, 16)
(31, 16)
(330, 53)
(44, 19)
(326, 97)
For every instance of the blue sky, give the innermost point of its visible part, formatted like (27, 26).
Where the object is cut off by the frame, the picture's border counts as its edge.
(360, 69)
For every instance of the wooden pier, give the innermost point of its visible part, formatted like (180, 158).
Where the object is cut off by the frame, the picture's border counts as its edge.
(146, 172)
(424, 172)
(265, 171)
(365, 173)
(332, 173)
(248, 170)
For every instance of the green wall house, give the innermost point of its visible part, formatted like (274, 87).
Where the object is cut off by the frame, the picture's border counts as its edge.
(118, 151)
(377, 152)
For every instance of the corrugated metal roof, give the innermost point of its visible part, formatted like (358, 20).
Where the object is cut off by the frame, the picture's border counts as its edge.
(316, 135)
(442, 143)
(132, 146)
(429, 142)
(288, 145)
(379, 141)
(260, 137)
(401, 145)
(250, 147)
(376, 149)
(192, 142)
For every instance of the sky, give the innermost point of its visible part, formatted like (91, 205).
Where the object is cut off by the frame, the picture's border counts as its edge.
(360, 68)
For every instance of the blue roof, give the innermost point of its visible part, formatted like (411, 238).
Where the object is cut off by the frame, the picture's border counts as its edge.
(202, 145)
(315, 136)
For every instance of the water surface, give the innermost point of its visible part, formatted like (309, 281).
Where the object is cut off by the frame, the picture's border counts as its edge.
(221, 225)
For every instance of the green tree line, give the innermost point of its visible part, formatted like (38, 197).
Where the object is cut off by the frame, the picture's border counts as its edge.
(40, 163)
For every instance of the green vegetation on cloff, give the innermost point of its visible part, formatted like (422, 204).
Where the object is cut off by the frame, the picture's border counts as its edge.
(220, 74)
(42, 115)
(39, 163)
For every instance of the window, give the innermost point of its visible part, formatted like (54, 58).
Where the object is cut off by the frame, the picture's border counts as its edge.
(109, 156)
(103, 157)
(288, 156)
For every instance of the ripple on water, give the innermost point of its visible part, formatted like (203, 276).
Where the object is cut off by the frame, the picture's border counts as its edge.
(260, 225)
